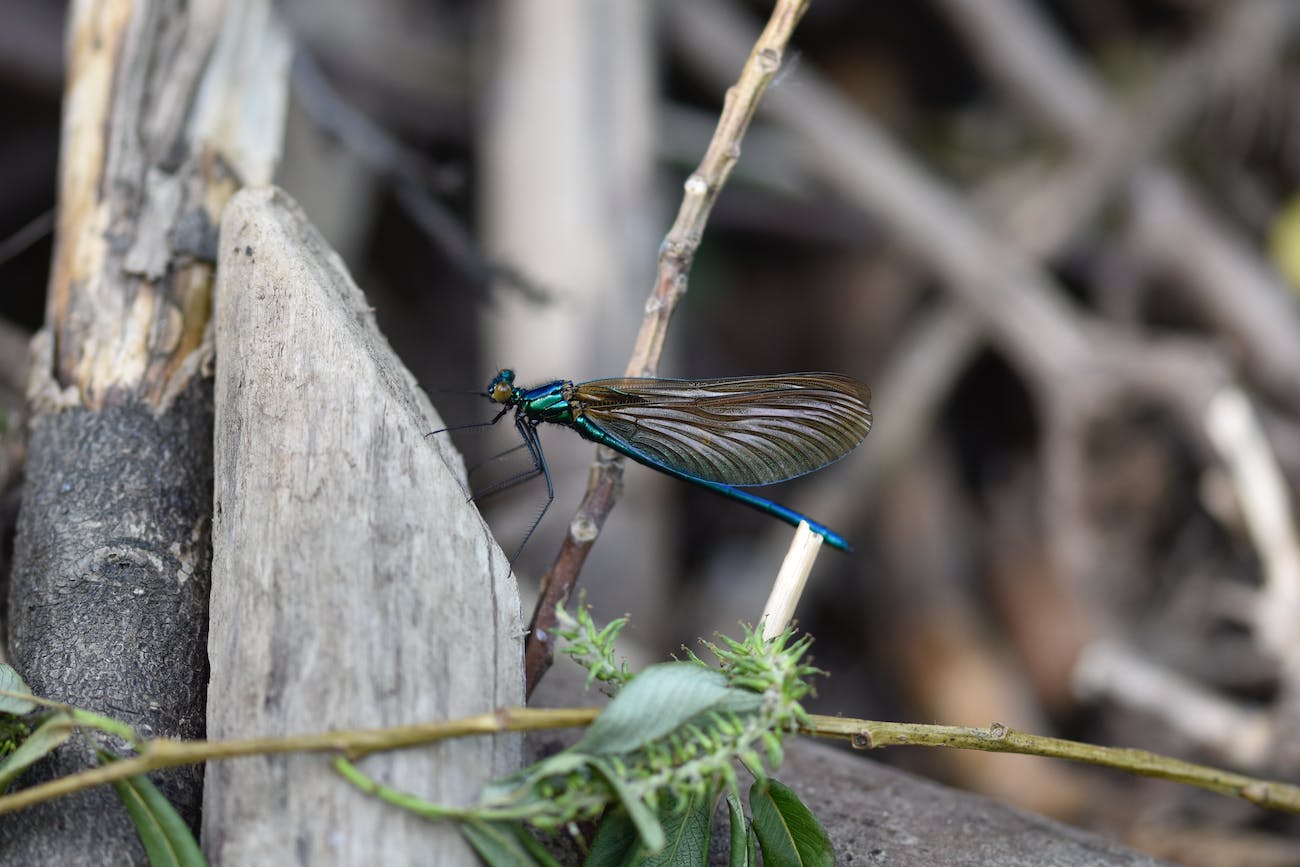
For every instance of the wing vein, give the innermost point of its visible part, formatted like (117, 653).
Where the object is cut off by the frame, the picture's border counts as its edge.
(742, 431)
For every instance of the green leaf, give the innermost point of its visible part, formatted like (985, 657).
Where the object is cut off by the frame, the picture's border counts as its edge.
(40, 743)
(739, 833)
(167, 839)
(13, 731)
(687, 829)
(518, 787)
(11, 681)
(659, 700)
(616, 844)
(787, 831)
(647, 825)
(506, 844)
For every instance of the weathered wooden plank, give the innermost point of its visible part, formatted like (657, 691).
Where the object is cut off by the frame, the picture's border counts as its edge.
(353, 585)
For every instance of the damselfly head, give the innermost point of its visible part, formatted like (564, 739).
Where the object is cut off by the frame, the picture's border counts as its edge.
(502, 386)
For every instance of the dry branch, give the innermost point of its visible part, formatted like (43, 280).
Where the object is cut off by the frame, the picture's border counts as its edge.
(675, 257)
(110, 582)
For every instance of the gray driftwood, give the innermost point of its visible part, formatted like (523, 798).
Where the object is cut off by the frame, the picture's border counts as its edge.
(353, 585)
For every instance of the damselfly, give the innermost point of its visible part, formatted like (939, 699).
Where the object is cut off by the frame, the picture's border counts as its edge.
(720, 434)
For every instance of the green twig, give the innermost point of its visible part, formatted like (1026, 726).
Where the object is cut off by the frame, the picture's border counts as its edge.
(997, 738)
(863, 734)
(166, 753)
(76, 718)
(405, 801)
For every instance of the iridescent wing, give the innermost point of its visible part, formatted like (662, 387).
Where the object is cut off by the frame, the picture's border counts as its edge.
(745, 431)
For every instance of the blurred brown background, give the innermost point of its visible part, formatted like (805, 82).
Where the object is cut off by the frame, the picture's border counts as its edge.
(1055, 236)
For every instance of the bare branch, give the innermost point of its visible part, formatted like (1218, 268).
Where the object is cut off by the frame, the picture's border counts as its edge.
(675, 257)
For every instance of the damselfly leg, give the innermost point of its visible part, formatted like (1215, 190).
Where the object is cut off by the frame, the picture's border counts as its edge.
(469, 473)
(528, 431)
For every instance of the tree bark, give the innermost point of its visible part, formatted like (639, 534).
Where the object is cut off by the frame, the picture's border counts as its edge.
(108, 603)
(111, 563)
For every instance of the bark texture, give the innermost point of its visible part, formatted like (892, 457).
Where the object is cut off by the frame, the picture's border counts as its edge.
(108, 609)
(111, 564)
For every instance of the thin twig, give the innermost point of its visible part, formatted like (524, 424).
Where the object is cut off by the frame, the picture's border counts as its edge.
(32, 231)
(166, 753)
(863, 734)
(790, 581)
(675, 257)
(997, 738)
